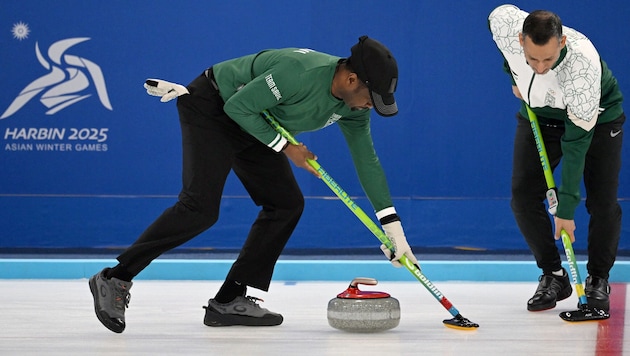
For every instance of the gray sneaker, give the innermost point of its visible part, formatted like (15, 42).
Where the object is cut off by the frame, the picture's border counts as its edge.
(111, 297)
(240, 311)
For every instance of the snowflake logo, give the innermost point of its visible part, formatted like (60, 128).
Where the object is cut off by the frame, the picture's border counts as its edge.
(20, 31)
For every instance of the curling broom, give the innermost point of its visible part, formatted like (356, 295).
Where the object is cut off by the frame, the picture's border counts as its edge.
(458, 321)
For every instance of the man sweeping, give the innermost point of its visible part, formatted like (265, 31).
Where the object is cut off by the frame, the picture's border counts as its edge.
(558, 72)
(223, 131)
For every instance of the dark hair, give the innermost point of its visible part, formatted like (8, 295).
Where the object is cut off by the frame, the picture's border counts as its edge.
(345, 61)
(347, 64)
(541, 26)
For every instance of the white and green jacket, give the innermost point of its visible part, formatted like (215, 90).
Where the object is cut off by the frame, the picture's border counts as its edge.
(578, 92)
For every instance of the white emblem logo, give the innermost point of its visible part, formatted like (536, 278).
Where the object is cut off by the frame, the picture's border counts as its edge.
(65, 81)
(332, 119)
(614, 133)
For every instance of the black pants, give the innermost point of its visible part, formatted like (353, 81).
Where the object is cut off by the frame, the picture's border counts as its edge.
(213, 144)
(601, 181)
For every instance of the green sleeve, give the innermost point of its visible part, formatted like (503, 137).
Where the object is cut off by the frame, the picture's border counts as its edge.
(245, 105)
(368, 167)
(575, 143)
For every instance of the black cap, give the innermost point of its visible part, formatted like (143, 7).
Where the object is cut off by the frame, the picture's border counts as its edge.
(375, 65)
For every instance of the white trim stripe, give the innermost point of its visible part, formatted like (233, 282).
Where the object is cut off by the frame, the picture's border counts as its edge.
(385, 212)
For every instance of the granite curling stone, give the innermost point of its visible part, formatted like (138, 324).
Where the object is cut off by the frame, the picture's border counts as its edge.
(360, 311)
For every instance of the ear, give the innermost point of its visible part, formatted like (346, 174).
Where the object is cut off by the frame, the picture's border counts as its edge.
(520, 38)
(353, 80)
(563, 41)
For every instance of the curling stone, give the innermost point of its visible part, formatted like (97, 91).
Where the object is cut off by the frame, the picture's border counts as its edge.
(360, 311)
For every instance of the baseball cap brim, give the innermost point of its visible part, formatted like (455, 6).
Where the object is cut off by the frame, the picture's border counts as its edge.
(385, 105)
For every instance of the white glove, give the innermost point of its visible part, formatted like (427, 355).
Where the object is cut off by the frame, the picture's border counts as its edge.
(167, 90)
(396, 235)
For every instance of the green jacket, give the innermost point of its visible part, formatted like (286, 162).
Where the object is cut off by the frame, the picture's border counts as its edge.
(294, 85)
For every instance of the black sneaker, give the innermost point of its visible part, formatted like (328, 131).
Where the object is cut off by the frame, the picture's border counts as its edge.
(551, 289)
(240, 311)
(597, 293)
(111, 297)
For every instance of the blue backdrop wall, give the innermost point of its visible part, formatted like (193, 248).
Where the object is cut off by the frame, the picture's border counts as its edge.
(89, 159)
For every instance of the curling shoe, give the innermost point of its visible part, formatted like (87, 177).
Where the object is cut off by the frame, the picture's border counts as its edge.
(241, 311)
(551, 289)
(111, 298)
(597, 293)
